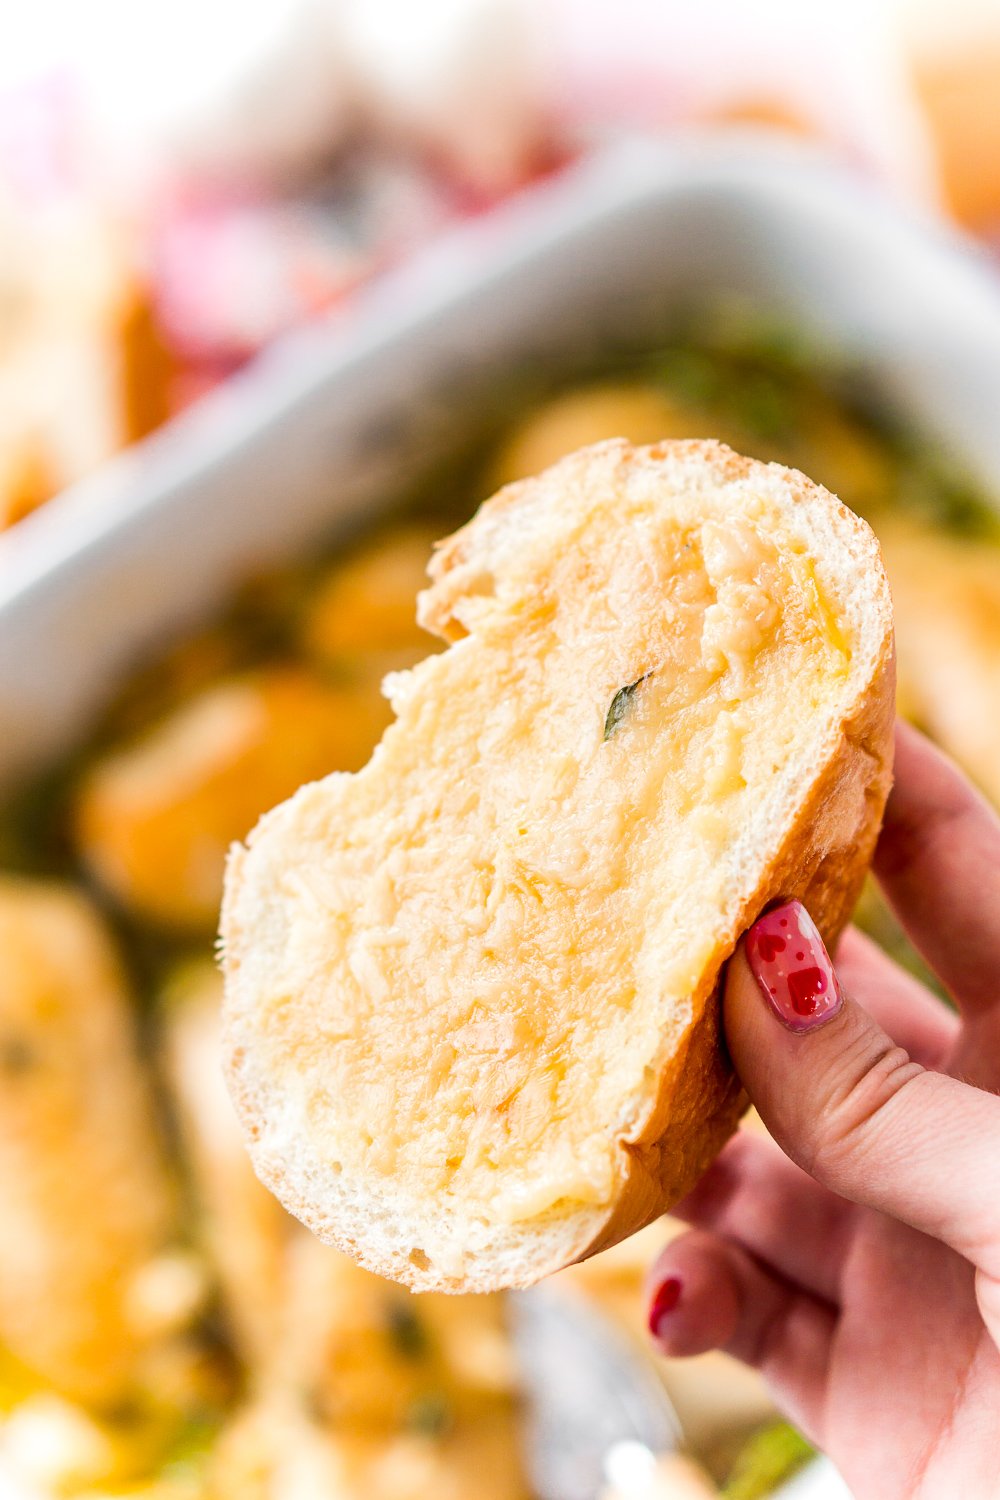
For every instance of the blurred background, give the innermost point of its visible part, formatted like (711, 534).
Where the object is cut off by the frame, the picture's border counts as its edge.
(194, 192)
(180, 184)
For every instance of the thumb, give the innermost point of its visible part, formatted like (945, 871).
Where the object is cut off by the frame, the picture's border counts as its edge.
(848, 1105)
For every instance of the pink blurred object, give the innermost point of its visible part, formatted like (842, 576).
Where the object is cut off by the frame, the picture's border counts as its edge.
(42, 136)
(229, 276)
(231, 272)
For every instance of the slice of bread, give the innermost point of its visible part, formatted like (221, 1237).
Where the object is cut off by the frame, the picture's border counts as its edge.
(471, 991)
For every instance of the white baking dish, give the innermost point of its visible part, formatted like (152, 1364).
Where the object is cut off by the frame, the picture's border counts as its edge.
(326, 425)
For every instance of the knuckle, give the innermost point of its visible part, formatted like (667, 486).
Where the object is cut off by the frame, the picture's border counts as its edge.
(763, 1329)
(872, 1076)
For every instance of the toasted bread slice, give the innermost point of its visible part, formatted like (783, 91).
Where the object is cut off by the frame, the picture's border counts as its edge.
(471, 991)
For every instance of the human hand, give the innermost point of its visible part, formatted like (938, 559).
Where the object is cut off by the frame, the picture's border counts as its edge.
(862, 1276)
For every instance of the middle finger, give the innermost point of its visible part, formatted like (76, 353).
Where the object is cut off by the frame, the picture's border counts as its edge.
(913, 1017)
(938, 861)
(754, 1195)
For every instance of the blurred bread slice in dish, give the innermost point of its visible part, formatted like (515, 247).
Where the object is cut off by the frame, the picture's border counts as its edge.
(471, 1010)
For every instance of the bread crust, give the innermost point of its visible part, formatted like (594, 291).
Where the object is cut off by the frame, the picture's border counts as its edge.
(695, 1101)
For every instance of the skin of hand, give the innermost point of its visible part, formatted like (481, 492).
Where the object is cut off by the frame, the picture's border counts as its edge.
(855, 1258)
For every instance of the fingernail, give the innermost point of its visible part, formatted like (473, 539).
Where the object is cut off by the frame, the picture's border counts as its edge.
(666, 1298)
(793, 969)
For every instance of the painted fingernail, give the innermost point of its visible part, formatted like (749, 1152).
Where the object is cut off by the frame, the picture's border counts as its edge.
(665, 1299)
(793, 969)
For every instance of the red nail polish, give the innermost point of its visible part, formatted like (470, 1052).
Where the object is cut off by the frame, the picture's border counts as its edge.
(793, 969)
(666, 1298)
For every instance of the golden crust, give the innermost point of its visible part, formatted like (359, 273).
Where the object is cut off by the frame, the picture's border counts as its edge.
(695, 1101)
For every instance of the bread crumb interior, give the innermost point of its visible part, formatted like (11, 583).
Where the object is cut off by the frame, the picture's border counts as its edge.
(500, 917)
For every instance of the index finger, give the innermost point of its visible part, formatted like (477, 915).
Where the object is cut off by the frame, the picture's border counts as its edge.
(938, 861)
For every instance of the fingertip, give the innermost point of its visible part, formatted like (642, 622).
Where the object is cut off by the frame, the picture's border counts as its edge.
(744, 1016)
(716, 1295)
(663, 1302)
(693, 1299)
(739, 982)
(792, 970)
(781, 996)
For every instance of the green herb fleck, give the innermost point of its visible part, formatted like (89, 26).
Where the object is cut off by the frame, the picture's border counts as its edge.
(763, 405)
(408, 1334)
(189, 1451)
(429, 1415)
(771, 1455)
(16, 1056)
(620, 705)
(690, 374)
